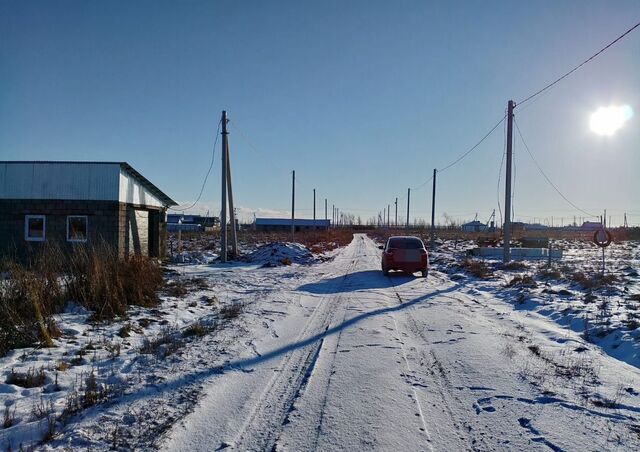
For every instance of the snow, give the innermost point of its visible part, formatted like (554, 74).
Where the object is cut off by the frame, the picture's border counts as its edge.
(276, 254)
(331, 355)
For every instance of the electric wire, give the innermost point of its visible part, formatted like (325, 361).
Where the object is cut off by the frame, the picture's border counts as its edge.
(474, 147)
(592, 57)
(546, 177)
(204, 182)
(459, 159)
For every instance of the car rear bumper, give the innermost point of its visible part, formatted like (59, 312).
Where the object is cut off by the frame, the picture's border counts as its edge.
(409, 268)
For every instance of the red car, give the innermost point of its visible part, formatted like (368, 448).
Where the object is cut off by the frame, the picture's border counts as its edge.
(405, 253)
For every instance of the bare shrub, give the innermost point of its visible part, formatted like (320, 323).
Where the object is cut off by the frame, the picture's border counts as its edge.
(514, 265)
(549, 273)
(509, 350)
(41, 409)
(477, 268)
(113, 348)
(9, 416)
(177, 289)
(32, 378)
(164, 344)
(522, 281)
(198, 329)
(92, 392)
(231, 311)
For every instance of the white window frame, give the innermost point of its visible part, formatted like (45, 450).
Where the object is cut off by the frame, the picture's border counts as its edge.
(26, 228)
(86, 222)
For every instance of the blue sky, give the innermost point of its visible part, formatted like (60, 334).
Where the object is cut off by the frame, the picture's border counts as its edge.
(362, 98)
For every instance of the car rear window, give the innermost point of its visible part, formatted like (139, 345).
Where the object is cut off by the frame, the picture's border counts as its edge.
(405, 243)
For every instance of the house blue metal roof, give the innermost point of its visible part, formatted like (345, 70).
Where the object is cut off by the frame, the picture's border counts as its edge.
(287, 222)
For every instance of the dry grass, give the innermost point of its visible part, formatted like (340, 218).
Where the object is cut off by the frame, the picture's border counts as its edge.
(229, 312)
(32, 378)
(522, 281)
(94, 277)
(107, 285)
(9, 417)
(514, 265)
(477, 268)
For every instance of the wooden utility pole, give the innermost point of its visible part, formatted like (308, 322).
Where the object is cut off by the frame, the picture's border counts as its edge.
(325, 209)
(232, 210)
(223, 213)
(293, 205)
(433, 210)
(507, 192)
(396, 222)
(408, 203)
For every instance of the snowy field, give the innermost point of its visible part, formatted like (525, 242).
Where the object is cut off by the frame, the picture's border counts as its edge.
(328, 354)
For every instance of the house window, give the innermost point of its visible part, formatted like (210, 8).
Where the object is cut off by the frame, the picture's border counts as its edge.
(77, 228)
(34, 228)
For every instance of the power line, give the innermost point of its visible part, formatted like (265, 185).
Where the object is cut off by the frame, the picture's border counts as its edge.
(473, 147)
(540, 91)
(459, 159)
(204, 182)
(545, 176)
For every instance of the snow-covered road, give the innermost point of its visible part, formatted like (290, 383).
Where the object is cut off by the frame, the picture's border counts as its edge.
(358, 361)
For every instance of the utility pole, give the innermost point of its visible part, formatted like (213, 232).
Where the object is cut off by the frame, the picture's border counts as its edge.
(433, 210)
(232, 211)
(388, 215)
(314, 208)
(293, 205)
(396, 222)
(408, 203)
(223, 213)
(507, 195)
(333, 215)
(325, 209)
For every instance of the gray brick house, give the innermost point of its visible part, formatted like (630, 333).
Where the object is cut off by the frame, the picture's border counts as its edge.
(70, 203)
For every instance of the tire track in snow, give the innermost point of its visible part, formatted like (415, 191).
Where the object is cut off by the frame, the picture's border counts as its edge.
(268, 415)
(440, 379)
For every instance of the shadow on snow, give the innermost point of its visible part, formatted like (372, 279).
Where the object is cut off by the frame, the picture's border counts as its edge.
(366, 279)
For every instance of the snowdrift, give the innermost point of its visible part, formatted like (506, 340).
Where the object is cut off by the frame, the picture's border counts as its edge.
(281, 253)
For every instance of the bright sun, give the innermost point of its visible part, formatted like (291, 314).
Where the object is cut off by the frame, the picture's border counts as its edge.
(608, 120)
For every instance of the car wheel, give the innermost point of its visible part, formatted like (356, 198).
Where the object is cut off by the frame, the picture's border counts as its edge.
(425, 273)
(385, 271)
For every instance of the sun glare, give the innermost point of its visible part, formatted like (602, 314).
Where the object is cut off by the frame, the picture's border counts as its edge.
(608, 120)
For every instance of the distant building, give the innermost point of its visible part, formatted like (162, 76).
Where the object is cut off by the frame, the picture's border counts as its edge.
(181, 222)
(284, 224)
(591, 226)
(73, 203)
(474, 226)
(535, 227)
